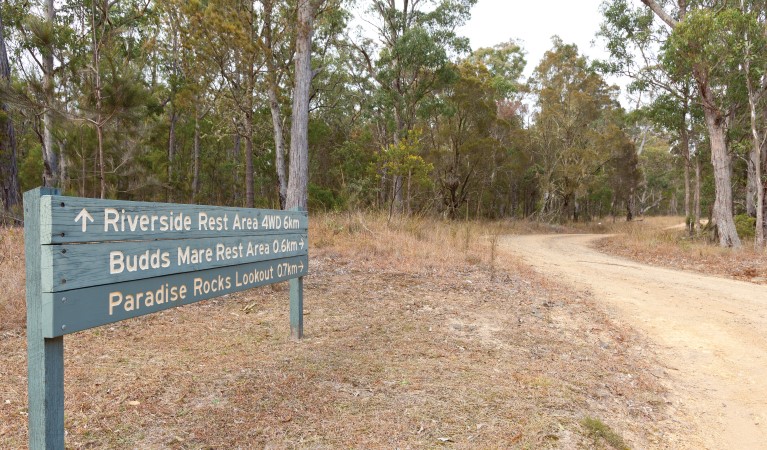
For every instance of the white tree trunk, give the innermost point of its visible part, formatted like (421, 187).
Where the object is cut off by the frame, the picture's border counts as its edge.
(721, 160)
(299, 131)
(50, 166)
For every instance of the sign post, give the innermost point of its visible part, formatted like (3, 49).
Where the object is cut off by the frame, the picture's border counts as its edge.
(93, 262)
(45, 355)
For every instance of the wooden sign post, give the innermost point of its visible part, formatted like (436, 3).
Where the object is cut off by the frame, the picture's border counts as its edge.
(93, 262)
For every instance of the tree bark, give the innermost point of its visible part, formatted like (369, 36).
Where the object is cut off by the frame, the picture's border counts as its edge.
(8, 164)
(279, 144)
(696, 199)
(299, 132)
(97, 85)
(755, 193)
(274, 106)
(171, 150)
(196, 156)
(50, 166)
(686, 155)
(249, 182)
(721, 160)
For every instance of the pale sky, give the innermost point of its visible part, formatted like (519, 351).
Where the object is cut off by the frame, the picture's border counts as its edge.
(534, 23)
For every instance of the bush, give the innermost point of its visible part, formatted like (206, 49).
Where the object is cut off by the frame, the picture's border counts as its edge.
(324, 199)
(745, 225)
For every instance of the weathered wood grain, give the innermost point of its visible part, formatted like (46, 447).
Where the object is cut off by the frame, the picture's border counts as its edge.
(45, 354)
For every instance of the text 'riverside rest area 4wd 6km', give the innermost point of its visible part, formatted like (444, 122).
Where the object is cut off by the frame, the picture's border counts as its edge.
(122, 221)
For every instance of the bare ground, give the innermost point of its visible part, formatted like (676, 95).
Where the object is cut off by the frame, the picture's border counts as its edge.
(413, 340)
(710, 333)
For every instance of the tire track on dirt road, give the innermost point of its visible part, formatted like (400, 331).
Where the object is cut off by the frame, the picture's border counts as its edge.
(710, 333)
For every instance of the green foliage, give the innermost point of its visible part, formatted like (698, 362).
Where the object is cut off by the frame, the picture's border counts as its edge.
(745, 225)
(409, 115)
(324, 199)
(30, 169)
(403, 160)
(505, 62)
(578, 131)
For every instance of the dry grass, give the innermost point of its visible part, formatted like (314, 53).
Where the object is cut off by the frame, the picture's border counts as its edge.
(12, 301)
(661, 241)
(410, 342)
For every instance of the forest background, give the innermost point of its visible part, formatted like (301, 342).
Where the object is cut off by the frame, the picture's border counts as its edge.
(191, 101)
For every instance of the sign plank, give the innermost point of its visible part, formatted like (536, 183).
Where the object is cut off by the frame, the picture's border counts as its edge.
(72, 266)
(74, 219)
(79, 309)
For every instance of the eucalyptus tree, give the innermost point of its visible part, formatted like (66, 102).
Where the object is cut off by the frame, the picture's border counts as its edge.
(225, 33)
(574, 108)
(701, 45)
(37, 33)
(298, 171)
(749, 22)
(634, 42)
(409, 60)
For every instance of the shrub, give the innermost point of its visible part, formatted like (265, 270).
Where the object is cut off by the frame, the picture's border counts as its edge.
(745, 225)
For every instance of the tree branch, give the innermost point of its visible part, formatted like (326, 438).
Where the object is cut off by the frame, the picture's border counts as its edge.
(661, 13)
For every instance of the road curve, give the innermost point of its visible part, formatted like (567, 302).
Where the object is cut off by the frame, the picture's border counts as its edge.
(710, 332)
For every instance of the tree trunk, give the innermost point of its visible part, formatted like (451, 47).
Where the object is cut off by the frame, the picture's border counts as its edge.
(274, 106)
(717, 128)
(696, 199)
(50, 166)
(721, 160)
(98, 122)
(759, 238)
(686, 154)
(279, 144)
(63, 167)
(8, 164)
(299, 131)
(236, 151)
(249, 183)
(171, 150)
(196, 156)
(754, 191)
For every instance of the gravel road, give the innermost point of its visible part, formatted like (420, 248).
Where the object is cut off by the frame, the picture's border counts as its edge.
(709, 333)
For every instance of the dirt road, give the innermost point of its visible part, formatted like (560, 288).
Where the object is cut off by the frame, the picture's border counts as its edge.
(710, 333)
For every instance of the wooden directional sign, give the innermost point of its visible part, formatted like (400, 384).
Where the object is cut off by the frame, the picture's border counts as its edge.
(104, 260)
(93, 262)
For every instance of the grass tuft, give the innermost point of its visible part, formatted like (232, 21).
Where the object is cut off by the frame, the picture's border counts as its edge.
(599, 430)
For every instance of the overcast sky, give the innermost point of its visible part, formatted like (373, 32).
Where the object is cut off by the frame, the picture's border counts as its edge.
(534, 23)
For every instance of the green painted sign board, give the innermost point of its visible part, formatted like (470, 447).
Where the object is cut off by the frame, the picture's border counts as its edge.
(92, 262)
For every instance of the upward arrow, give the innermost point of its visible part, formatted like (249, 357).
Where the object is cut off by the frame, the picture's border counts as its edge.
(85, 217)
